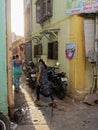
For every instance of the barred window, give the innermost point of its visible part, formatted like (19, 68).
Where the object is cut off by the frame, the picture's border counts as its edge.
(37, 50)
(43, 10)
(53, 50)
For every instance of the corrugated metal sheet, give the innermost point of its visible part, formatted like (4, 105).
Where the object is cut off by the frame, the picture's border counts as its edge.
(3, 71)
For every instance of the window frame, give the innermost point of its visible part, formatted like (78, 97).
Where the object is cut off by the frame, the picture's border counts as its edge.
(37, 50)
(53, 50)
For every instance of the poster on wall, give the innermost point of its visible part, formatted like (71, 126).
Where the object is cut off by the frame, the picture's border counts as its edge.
(81, 6)
(70, 50)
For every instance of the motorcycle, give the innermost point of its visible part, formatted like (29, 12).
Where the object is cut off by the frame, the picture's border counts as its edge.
(58, 82)
(31, 74)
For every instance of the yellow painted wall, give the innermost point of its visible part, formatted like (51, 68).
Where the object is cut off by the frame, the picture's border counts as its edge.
(77, 67)
(71, 30)
(80, 70)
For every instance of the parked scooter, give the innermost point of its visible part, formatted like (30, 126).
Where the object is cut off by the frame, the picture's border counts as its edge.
(58, 82)
(31, 74)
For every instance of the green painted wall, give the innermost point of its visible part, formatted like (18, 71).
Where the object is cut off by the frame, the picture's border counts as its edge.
(3, 70)
(59, 20)
(59, 8)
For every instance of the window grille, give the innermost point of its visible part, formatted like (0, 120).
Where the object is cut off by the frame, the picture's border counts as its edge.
(43, 10)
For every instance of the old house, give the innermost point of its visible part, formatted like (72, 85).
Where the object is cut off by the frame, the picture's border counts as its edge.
(60, 34)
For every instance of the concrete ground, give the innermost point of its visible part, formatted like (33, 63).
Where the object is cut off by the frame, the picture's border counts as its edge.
(69, 115)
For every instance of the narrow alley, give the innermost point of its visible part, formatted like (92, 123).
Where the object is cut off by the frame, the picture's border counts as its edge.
(69, 114)
(58, 35)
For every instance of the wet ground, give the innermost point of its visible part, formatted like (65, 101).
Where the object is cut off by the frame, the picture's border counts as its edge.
(69, 115)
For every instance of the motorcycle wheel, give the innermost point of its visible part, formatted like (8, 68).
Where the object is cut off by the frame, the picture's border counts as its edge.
(4, 123)
(61, 91)
(51, 87)
(17, 116)
(60, 95)
(32, 85)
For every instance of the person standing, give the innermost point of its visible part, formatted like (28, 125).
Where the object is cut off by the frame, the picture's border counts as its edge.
(43, 83)
(17, 71)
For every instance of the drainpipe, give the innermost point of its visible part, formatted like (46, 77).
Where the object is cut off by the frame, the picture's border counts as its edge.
(96, 34)
(96, 39)
(96, 50)
(97, 26)
(9, 58)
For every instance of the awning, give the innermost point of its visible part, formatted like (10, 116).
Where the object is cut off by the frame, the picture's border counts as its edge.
(25, 42)
(49, 32)
(37, 38)
(46, 33)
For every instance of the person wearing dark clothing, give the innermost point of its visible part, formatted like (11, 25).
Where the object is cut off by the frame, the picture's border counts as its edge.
(43, 83)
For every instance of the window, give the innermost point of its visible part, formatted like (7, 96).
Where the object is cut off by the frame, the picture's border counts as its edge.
(37, 50)
(53, 50)
(43, 10)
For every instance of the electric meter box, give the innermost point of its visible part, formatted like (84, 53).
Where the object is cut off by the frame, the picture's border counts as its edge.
(92, 56)
(96, 46)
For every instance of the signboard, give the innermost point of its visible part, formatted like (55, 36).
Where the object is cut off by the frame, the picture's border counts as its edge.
(81, 6)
